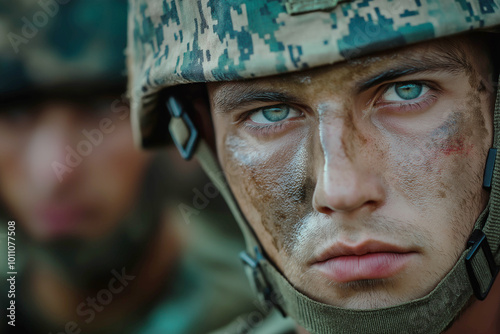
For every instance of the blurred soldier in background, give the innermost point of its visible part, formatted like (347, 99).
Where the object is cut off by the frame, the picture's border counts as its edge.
(98, 248)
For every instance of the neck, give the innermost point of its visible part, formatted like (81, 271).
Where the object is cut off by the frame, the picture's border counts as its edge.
(482, 317)
(58, 301)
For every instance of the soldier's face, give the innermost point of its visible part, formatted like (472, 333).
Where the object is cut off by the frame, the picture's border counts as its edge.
(67, 172)
(362, 180)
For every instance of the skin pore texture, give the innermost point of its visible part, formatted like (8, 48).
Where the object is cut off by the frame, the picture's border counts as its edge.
(382, 155)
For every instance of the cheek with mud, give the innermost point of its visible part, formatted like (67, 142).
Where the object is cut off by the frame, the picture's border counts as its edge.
(445, 161)
(272, 184)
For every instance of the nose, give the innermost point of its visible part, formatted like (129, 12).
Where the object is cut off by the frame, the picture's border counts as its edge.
(48, 146)
(348, 179)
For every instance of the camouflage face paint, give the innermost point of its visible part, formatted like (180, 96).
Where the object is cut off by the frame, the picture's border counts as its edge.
(275, 182)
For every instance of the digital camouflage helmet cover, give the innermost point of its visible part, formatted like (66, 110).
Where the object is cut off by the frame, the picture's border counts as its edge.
(173, 42)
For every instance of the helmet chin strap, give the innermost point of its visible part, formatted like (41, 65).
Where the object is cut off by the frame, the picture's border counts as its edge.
(473, 274)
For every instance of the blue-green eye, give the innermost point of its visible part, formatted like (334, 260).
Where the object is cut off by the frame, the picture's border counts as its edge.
(408, 91)
(273, 114)
(405, 91)
(276, 114)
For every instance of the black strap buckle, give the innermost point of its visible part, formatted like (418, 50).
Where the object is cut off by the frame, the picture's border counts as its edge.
(258, 280)
(478, 241)
(489, 168)
(177, 111)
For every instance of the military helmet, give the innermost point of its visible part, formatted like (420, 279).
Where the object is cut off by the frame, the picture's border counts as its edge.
(61, 45)
(173, 43)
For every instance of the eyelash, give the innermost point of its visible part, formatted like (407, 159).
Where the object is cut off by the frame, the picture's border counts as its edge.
(423, 102)
(270, 128)
(265, 130)
(415, 106)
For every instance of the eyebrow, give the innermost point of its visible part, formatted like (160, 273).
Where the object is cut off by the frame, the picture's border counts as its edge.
(231, 99)
(451, 61)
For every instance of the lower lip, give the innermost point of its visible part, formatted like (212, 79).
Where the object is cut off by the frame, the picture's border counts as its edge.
(60, 221)
(368, 266)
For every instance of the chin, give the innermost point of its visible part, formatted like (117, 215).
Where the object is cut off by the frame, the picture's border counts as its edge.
(361, 294)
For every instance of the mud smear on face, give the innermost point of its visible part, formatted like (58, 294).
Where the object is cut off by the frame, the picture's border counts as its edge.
(275, 181)
(354, 141)
(425, 161)
(279, 182)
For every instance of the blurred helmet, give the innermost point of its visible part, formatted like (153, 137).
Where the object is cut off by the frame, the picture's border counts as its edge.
(61, 44)
(172, 43)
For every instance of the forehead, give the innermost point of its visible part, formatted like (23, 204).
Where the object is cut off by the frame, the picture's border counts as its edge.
(455, 54)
